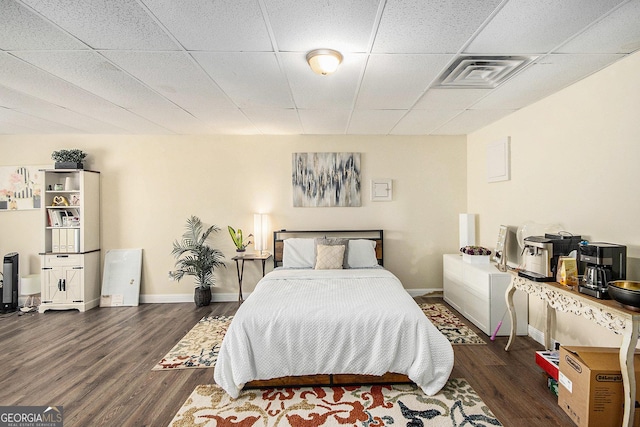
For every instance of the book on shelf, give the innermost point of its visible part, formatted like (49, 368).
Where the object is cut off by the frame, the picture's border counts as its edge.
(69, 217)
(55, 217)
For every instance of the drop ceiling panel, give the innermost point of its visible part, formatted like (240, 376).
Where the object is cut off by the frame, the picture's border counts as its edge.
(223, 25)
(36, 124)
(7, 128)
(176, 76)
(546, 76)
(132, 122)
(74, 120)
(13, 99)
(423, 122)
(441, 26)
(470, 120)
(619, 32)
(301, 26)
(311, 90)
(397, 81)
(175, 119)
(101, 24)
(20, 76)
(537, 26)
(227, 121)
(450, 99)
(374, 122)
(250, 79)
(275, 121)
(92, 72)
(23, 29)
(328, 122)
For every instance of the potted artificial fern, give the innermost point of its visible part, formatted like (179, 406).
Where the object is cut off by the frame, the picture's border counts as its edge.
(194, 257)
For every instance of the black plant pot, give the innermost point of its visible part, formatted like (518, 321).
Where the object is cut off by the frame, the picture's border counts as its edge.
(202, 296)
(68, 165)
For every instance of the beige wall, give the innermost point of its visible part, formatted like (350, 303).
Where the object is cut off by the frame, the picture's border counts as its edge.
(151, 184)
(574, 161)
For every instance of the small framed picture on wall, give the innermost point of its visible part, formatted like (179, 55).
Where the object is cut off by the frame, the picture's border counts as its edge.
(381, 190)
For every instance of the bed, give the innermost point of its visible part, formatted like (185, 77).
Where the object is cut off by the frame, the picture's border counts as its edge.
(350, 323)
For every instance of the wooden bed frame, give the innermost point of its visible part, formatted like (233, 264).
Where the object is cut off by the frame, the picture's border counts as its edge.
(328, 379)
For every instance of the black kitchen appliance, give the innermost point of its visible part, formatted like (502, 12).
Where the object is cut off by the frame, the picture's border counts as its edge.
(9, 283)
(600, 263)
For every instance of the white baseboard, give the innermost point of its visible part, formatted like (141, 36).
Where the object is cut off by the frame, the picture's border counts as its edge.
(538, 336)
(173, 298)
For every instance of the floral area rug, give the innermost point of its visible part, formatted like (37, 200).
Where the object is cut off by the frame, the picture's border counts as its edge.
(450, 326)
(199, 348)
(457, 404)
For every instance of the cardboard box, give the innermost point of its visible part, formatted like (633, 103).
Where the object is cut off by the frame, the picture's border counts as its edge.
(591, 390)
(549, 361)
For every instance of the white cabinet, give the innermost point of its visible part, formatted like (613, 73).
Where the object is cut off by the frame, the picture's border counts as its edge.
(477, 291)
(63, 283)
(71, 244)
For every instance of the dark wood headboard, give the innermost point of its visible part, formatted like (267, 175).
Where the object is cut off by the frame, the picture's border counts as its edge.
(280, 235)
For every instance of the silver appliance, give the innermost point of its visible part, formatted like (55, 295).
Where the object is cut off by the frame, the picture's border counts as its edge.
(601, 263)
(541, 253)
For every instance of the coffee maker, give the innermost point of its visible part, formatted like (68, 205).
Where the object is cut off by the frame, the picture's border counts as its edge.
(600, 263)
(540, 255)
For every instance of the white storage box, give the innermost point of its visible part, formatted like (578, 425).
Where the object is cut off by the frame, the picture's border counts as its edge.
(476, 259)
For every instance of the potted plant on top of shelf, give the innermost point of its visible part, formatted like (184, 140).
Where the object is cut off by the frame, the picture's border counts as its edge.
(69, 159)
(194, 257)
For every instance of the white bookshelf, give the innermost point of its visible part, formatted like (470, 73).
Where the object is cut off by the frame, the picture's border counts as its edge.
(71, 240)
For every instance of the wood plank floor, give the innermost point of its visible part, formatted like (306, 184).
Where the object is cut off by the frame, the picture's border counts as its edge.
(97, 365)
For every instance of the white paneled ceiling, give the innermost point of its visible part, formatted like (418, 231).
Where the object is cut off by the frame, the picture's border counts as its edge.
(238, 66)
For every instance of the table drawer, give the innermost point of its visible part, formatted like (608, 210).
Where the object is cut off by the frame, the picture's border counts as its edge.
(452, 267)
(477, 281)
(62, 260)
(477, 310)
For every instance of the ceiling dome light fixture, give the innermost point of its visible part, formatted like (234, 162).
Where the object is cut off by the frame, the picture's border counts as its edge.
(324, 61)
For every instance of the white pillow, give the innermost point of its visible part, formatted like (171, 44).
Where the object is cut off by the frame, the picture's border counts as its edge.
(298, 253)
(329, 257)
(362, 254)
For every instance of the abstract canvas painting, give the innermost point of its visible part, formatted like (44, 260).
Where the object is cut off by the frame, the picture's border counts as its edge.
(326, 179)
(20, 187)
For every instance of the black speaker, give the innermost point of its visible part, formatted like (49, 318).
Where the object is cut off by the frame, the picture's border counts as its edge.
(10, 283)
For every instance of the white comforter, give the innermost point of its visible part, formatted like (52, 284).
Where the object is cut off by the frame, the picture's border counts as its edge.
(305, 322)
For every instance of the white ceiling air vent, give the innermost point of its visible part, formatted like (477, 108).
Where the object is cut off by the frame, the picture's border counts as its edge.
(481, 72)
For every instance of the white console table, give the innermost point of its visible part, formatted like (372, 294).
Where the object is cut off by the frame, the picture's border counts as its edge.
(606, 313)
